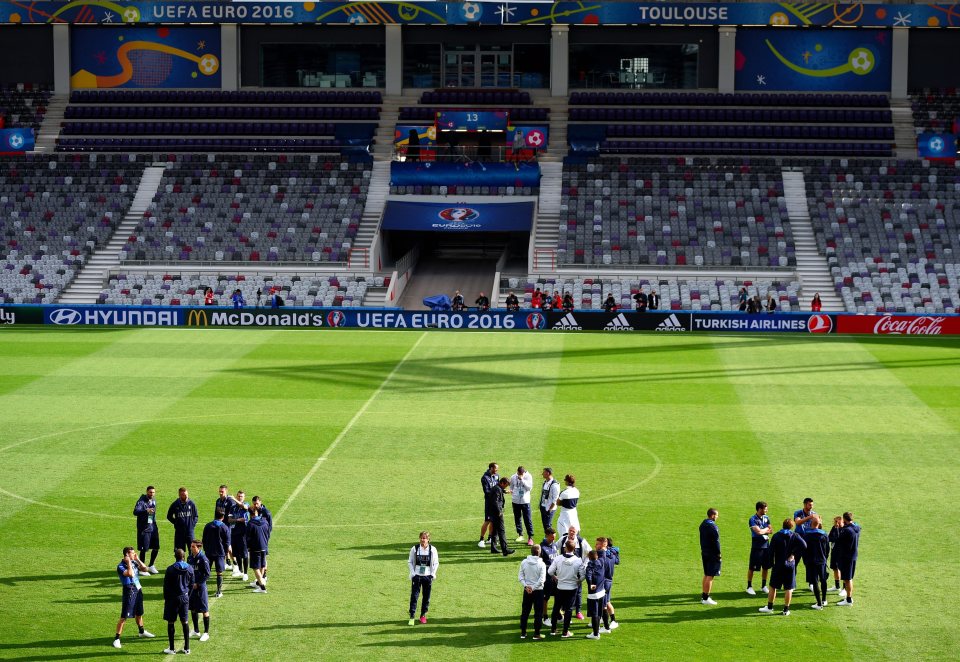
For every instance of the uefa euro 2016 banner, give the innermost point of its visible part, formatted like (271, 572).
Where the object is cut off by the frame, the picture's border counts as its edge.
(487, 13)
(527, 320)
(438, 217)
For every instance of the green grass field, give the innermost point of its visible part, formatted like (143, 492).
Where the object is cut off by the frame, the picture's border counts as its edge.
(357, 440)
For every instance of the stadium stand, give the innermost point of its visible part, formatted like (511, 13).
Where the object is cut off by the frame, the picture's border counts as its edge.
(677, 293)
(197, 121)
(54, 212)
(889, 230)
(518, 104)
(740, 123)
(187, 289)
(935, 110)
(464, 190)
(282, 209)
(23, 105)
(669, 211)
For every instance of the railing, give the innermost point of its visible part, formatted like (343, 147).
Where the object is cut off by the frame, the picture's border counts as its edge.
(228, 263)
(544, 259)
(463, 154)
(713, 268)
(358, 259)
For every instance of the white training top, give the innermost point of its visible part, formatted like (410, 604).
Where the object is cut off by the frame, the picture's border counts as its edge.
(533, 573)
(424, 570)
(521, 487)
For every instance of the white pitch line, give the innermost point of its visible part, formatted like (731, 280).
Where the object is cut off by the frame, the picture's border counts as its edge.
(345, 430)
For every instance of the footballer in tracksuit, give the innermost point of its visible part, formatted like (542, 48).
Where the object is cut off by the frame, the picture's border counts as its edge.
(258, 538)
(237, 519)
(532, 577)
(148, 534)
(182, 513)
(199, 600)
(268, 516)
(610, 555)
(568, 571)
(549, 550)
(581, 550)
(224, 504)
(596, 579)
(815, 560)
(488, 481)
(216, 543)
(423, 563)
(847, 550)
(785, 548)
(131, 605)
(177, 582)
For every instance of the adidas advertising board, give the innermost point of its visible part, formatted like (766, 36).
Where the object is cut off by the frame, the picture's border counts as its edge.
(618, 323)
(671, 323)
(567, 323)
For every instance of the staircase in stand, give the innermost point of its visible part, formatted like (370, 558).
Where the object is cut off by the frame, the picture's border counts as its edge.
(812, 269)
(904, 132)
(86, 286)
(50, 128)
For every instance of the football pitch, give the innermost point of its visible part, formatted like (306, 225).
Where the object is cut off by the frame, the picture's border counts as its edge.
(357, 440)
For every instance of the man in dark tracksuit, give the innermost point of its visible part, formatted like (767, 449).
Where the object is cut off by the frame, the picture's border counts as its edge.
(148, 535)
(182, 513)
(611, 558)
(785, 547)
(549, 550)
(488, 481)
(268, 517)
(709, 554)
(494, 514)
(815, 560)
(258, 537)
(177, 582)
(199, 598)
(216, 544)
(846, 550)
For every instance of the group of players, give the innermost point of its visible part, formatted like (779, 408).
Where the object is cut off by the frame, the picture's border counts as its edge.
(236, 540)
(801, 539)
(555, 568)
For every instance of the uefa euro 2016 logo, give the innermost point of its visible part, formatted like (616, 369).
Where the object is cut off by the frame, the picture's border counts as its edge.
(536, 321)
(459, 214)
(336, 318)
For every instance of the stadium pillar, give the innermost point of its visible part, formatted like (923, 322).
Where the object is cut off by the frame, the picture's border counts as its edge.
(559, 60)
(61, 58)
(900, 46)
(394, 64)
(229, 57)
(726, 59)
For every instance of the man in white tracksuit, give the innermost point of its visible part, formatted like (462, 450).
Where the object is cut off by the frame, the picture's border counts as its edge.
(569, 571)
(521, 484)
(532, 576)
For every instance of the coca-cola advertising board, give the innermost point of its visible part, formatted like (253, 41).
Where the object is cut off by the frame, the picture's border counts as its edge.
(900, 325)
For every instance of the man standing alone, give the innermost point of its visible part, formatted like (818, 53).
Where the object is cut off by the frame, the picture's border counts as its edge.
(182, 513)
(710, 554)
(521, 484)
(423, 563)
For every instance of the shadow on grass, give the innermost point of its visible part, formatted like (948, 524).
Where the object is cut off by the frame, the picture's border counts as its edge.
(96, 578)
(31, 650)
(472, 371)
(687, 607)
(451, 553)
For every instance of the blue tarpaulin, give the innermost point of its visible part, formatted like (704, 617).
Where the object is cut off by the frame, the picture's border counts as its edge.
(440, 217)
(438, 302)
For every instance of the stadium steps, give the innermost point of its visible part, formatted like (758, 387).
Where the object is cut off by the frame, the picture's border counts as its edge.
(89, 281)
(546, 229)
(389, 116)
(50, 129)
(377, 193)
(376, 297)
(904, 132)
(444, 275)
(557, 140)
(812, 269)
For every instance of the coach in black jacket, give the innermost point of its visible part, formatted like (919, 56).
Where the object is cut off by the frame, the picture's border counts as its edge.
(494, 507)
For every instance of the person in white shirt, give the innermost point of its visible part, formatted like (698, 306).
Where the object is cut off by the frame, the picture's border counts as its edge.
(581, 549)
(521, 484)
(532, 576)
(423, 563)
(568, 570)
(549, 494)
(568, 499)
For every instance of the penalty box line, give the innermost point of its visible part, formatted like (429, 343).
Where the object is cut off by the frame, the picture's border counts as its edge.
(343, 433)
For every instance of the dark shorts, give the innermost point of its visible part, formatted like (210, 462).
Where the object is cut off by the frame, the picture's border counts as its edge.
(847, 570)
(711, 566)
(784, 577)
(131, 604)
(218, 563)
(239, 547)
(816, 572)
(199, 600)
(490, 517)
(175, 610)
(608, 585)
(258, 560)
(182, 540)
(756, 558)
(148, 538)
(833, 561)
(595, 607)
(549, 588)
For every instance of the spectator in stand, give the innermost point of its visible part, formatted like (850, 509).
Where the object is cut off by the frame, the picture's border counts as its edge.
(653, 300)
(536, 299)
(610, 304)
(208, 297)
(259, 297)
(238, 300)
(641, 299)
(276, 301)
(457, 304)
(742, 300)
(413, 145)
(815, 305)
(557, 300)
(757, 304)
(567, 303)
(771, 304)
(483, 302)
(513, 303)
(546, 302)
